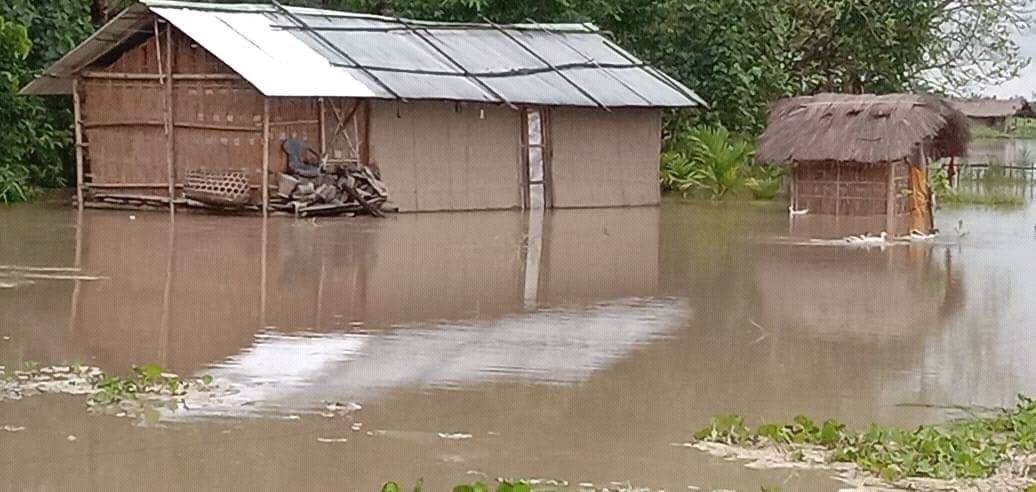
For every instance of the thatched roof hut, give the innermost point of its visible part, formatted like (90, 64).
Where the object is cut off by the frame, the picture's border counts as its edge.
(835, 141)
(994, 112)
(861, 129)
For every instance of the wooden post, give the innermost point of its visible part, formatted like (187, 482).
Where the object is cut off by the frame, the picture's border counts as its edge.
(890, 200)
(323, 136)
(165, 70)
(78, 115)
(266, 156)
(170, 150)
(365, 140)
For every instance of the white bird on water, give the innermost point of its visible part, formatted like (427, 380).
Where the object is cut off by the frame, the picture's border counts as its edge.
(867, 240)
(792, 211)
(918, 236)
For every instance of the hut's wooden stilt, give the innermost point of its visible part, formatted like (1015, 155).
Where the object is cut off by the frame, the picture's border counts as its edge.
(266, 157)
(78, 116)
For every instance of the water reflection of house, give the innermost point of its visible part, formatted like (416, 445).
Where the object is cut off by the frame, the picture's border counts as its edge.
(198, 290)
(860, 162)
(994, 113)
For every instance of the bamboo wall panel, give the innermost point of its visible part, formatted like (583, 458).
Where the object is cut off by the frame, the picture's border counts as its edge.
(839, 189)
(605, 159)
(141, 59)
(291, 117)
(217, 126)
(189, 57)
(850, 199)
(444, 156)
(124, 132)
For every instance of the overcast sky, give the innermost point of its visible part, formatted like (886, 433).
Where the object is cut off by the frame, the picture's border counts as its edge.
(1025, 84)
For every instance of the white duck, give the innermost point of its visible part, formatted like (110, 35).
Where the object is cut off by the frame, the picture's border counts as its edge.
(868, 240)
(792, 211)
(918, 236)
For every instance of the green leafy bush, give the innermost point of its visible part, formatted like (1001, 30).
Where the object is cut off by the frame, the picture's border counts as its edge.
(716, 163)
(35, 133)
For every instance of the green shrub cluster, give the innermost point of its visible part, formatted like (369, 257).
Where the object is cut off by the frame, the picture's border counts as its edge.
(716, 163)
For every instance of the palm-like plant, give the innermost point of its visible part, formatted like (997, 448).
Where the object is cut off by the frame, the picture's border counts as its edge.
(720, 158)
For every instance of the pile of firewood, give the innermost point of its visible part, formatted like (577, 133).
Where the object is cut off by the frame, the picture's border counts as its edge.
(347, 189)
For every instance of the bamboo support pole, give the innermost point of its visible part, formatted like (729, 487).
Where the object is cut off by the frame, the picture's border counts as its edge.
(294, 122)
(116, 123)
(266, 157)
(890, 200)
(170, 146)
(154, 76)
(78, 116)
(224, 128)
(323, 136)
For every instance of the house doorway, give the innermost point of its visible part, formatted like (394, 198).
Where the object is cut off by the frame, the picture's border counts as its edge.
(536, 158)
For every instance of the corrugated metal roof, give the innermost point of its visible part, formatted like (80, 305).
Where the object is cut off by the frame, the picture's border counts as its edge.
(291, 51)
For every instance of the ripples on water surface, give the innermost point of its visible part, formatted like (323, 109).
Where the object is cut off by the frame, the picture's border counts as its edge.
(622, 332)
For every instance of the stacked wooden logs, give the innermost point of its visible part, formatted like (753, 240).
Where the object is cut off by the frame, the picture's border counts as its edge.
(340, 189)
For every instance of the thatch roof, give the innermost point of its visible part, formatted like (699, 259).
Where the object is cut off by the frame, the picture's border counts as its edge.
(865, 129)
(992, 108)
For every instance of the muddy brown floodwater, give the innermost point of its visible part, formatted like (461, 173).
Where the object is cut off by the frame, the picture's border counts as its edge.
(575, 346)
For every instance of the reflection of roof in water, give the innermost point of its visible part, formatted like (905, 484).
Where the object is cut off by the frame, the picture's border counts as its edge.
(557, 346)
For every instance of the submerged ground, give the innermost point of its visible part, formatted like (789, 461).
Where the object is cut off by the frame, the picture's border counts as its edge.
(576, 347)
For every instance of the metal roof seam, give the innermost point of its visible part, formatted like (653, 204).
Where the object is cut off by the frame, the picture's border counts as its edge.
(548, 63)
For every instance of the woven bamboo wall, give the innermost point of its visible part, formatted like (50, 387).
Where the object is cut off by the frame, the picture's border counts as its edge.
(850, 199)
(124, 129)
(839, 189)
(217, 120)
(605, 159)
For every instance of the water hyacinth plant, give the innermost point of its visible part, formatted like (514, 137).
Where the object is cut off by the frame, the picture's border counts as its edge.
(970, 448)
(503, 486)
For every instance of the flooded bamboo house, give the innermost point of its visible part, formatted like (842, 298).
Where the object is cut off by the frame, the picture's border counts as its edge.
(271, 108)
(859, 163)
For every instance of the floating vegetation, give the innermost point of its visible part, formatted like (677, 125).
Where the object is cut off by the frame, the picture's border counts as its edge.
(35, 380)
(987, 453)
(138, 395)
(503, 486)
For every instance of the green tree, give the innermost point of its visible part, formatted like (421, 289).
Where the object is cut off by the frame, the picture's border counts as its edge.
(36, 136)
